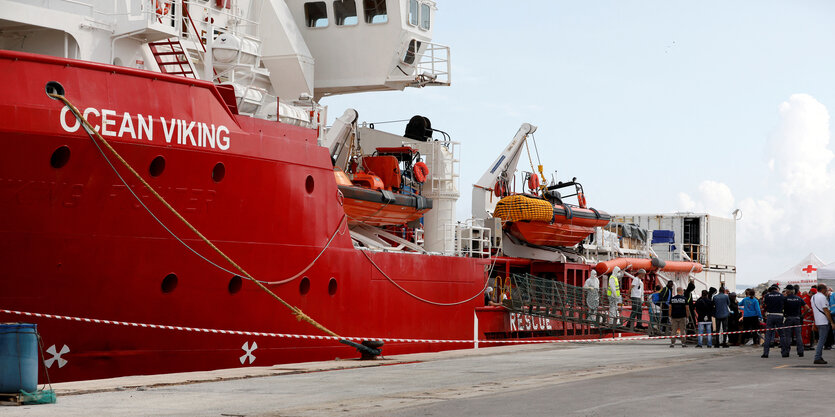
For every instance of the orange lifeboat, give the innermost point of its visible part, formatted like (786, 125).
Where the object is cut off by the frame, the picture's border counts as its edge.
(377, 195)
(539, 222)
(381, 207)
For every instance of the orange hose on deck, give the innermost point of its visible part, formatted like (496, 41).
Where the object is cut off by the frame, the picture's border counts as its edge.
(634, 264)
(680, 266)
(623, 263)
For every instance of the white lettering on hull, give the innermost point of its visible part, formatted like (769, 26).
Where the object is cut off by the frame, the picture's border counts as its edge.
(527, 323)
(141, 127)
(64, 125)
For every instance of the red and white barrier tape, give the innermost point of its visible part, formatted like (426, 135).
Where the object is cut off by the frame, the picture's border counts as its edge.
(384, 339)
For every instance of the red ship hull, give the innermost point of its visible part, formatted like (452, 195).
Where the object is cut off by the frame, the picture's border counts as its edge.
(75, 242)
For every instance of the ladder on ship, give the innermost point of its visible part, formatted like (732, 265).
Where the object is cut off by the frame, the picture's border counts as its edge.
(567, 303)
(172, 58)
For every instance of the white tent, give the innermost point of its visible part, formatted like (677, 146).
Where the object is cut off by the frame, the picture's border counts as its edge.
(826, 274)
(805, 273)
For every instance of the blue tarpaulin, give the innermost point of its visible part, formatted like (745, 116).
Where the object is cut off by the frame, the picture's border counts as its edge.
(663, 236)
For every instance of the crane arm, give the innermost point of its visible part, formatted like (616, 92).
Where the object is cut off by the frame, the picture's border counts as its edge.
(337, 140)
(502, 168)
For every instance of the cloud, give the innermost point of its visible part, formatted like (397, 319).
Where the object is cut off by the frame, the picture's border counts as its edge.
(801, 159)
(793, 217)
(800, 152)
(713, 198)
(764, 221)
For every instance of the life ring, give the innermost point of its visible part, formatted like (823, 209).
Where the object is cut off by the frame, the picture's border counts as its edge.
(581, 199)
(162, 7)
(533, 181)
(421, 171)
(498, 189)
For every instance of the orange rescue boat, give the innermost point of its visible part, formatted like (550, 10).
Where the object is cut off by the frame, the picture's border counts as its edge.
(378, 194)
(540, 222)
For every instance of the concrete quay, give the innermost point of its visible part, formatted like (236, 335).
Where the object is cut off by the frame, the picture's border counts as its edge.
(594, 379)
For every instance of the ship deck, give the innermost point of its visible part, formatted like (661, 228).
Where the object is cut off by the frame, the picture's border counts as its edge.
(621, 378)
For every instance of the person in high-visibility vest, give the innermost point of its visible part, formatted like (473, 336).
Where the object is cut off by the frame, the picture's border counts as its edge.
(613, 292)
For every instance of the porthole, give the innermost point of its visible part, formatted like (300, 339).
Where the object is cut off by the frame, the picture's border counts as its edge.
(332, 286)
(304, 286)
(54, 87)
(169, 283)
(157, 166)
(235, 284)
(309, 184)
(60, 157)
(218, 172)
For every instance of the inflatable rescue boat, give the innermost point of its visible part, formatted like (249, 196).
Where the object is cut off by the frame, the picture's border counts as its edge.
(538, 221)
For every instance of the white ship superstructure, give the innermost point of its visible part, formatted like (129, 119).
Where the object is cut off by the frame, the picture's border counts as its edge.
(280, 57)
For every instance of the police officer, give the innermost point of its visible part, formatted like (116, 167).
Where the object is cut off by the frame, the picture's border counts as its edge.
(774, 302)
(793, 309)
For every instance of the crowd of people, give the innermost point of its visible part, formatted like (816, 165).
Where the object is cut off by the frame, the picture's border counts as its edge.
(717, 316)
(778, 313)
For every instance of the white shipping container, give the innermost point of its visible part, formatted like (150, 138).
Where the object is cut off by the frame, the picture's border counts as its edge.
(721, 242)
(711, 241)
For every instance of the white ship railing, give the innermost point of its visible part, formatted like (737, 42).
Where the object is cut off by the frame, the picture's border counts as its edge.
(433, 68)
(473, 241)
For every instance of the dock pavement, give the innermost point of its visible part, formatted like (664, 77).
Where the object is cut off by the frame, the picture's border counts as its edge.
(573, 379)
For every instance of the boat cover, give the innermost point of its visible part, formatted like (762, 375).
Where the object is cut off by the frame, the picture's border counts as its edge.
(519, 207)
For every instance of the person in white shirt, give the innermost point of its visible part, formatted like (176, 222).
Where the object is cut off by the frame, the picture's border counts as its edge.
(823, 319)
(592, 289)
(637, 297)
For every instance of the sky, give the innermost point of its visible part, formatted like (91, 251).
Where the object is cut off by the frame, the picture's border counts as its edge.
(655, 106)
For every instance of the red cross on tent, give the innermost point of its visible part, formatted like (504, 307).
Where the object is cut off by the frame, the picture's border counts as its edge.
(804, 273)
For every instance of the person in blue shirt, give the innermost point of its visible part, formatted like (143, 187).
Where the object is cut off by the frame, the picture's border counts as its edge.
(751, 317)
(655, 310)
(721, 303)
(665, 295)
(831, 337)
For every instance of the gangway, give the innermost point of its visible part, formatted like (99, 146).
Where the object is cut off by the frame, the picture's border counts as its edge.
(556, 300)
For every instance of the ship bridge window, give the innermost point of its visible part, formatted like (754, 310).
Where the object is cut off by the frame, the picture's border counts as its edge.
(425, 15)
(375, 11)
(345, 12)
(411, 52)
(413, 12)
(316, 14)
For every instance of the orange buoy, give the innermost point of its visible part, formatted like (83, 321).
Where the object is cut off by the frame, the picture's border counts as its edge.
(420, 170)
(533, 181)
(498, 189)
(163, 7)
(581, 199)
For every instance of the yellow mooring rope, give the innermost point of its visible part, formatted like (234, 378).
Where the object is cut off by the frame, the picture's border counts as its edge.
(300, 315)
